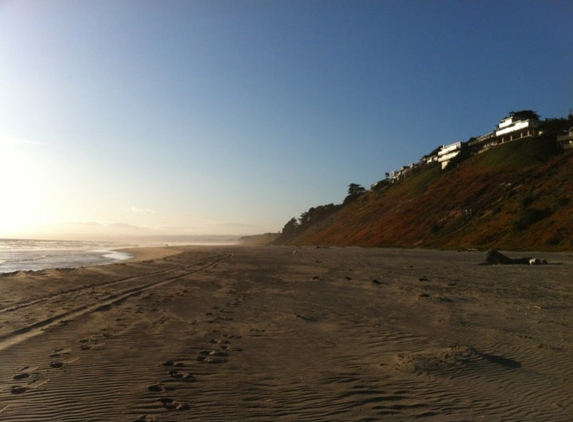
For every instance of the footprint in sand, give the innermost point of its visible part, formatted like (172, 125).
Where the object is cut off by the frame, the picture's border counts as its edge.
(145, 418)
(189, 377)
(223, 318)
(212, 356)
(181, 375)
(173, 363)
(157, 388)
(210, 359)
(171, 404)
(60, 352)
(94, 342)
(21, 376)
(219, 353)
(24, 373)
(18, 389)
(376, 281)
(176, 373)
(231, 336)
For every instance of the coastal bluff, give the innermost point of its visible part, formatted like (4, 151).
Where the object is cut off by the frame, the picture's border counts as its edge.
(517, 196)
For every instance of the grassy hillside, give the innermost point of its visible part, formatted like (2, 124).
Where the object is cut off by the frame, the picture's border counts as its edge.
(517, 196)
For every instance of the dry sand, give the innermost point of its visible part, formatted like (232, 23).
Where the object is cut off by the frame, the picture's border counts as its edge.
(289, 334)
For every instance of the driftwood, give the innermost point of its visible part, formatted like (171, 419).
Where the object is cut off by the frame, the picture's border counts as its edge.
(494, 257)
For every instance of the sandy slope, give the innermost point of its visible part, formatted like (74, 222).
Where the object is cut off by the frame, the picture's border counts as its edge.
(284, 333)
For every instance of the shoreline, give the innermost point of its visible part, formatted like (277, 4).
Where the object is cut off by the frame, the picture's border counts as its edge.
(149, 253)
(41, 259)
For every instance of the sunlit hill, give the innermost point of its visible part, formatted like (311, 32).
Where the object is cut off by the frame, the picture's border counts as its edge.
(514, 195)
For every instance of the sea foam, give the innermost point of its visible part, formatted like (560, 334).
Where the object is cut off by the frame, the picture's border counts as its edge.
(34, 255)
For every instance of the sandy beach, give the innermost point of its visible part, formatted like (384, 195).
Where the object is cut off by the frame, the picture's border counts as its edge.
(236, 333)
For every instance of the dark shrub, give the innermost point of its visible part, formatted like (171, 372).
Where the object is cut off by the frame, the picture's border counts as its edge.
(530, 216)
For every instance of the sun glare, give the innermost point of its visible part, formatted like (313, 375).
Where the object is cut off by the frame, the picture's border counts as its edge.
(22, 183)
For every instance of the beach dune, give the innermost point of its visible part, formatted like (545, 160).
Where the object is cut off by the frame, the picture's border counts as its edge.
(234, 333)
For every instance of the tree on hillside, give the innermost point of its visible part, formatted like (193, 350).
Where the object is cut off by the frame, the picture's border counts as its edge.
(289, 231)
(524, 114)
(291, 227)
(354, 191)
(556, 126)
(434, 152)
(315, 214)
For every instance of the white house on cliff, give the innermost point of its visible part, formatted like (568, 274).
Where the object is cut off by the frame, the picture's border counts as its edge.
(447, 152)
(517, 125)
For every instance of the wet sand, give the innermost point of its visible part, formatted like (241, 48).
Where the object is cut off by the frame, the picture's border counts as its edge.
(289, 334)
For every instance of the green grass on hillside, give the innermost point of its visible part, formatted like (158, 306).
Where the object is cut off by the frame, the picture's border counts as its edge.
(421, 181)
(520, 154)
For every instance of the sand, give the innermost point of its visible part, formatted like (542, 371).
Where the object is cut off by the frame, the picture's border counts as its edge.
(289, 334)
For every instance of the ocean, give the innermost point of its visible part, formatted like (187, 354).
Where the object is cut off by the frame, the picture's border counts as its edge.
(34, 255)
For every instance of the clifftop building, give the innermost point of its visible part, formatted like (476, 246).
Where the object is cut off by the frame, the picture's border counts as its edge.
(566, 141)
(518, 125)
(447, 152)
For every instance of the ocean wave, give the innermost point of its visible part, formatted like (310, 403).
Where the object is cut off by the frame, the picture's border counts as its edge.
(26, 255)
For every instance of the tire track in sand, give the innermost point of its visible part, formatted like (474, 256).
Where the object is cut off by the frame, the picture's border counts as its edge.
(159, 278)
(77, 290)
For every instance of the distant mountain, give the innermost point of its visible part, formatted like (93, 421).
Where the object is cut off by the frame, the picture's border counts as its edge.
(93, 230)
(125, 233)
(516, 196)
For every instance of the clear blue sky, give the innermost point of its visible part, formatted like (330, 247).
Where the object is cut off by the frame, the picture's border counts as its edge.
(234, 116)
